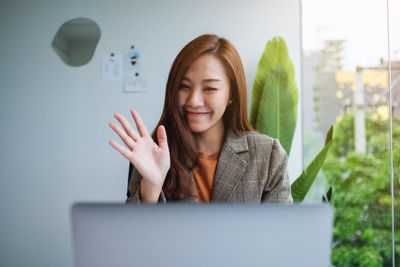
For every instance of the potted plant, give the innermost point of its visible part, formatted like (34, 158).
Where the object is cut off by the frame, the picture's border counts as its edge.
(274, 110)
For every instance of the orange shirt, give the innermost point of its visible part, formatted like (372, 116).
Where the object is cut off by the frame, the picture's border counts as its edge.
(204, 176)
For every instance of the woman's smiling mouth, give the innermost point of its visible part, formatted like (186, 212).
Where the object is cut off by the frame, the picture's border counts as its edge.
(195, 113)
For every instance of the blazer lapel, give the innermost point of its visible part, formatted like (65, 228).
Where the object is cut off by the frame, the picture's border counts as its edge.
(230, 167)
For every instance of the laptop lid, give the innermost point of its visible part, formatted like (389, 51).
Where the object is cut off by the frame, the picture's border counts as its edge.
(201, 235)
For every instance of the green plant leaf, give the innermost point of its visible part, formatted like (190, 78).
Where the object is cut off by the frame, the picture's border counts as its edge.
(275, 94)
(302, 184)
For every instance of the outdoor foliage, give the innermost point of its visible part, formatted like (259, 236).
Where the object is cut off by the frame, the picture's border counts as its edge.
(360, 191)
(362, 230)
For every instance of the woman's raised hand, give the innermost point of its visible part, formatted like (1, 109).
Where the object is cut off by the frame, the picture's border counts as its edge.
(151, 160)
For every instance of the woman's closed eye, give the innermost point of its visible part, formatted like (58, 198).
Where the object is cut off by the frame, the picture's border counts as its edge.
(184, 87)
(210, 89)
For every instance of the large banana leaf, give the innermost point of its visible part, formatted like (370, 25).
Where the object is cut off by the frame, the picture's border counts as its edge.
(275, 94)
(302, 184)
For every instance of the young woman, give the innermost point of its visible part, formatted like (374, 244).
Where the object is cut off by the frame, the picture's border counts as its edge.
(204, 148)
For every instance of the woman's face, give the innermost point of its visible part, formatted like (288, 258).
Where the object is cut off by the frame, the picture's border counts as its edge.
(203, 95)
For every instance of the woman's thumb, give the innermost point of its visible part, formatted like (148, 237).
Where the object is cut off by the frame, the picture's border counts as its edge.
(162, 137)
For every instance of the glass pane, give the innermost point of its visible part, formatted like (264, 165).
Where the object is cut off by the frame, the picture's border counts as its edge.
(345, 84)
(394, 26)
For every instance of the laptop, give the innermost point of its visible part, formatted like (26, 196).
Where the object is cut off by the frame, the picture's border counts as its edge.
(201, 235)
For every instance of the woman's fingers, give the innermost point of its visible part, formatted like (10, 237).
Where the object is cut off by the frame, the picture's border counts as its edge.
(125, 152)
(127, 126)
(139, 123)
(124, 137)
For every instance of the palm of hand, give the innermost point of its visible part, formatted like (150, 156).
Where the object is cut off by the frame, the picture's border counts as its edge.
(151, 160)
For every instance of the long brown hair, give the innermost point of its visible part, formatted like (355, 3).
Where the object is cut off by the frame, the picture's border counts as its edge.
(181, 141)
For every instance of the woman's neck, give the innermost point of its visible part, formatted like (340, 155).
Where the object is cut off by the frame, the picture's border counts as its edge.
(211, 141)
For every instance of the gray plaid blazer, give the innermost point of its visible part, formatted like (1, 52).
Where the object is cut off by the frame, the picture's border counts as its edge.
(252, 167)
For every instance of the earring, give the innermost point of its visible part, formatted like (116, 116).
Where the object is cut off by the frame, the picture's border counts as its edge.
(230, 102)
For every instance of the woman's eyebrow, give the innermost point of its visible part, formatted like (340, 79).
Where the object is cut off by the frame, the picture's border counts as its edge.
(211, 80)
(204, 81)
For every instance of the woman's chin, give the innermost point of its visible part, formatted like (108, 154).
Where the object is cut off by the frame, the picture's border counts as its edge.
(197, 130)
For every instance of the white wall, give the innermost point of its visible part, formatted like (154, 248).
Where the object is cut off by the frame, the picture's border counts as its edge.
(54, 133)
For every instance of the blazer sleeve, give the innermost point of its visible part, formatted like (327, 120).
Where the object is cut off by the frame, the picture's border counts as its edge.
(277, 189)
(133, 193)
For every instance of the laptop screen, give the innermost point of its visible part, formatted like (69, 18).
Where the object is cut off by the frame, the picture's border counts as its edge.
(201, 235)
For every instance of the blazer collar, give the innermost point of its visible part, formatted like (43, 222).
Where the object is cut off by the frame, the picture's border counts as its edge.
(230, 167)
(238, 143)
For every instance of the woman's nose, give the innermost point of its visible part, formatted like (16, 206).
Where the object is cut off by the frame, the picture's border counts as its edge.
(195, 98)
